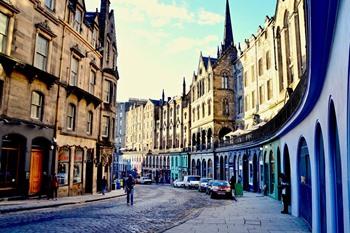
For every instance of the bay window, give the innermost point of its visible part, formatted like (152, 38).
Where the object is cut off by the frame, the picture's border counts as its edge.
(107, 91)
(105, 126)
(3, 32)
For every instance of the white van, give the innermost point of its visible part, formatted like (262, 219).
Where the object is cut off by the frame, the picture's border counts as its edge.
(191, 182)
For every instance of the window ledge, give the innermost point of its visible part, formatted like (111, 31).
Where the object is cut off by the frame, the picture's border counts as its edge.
(10, 7)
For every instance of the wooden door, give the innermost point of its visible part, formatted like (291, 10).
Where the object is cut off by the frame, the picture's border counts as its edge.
(36, 167)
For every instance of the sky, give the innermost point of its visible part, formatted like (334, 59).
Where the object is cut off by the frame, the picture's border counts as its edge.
(159, 41)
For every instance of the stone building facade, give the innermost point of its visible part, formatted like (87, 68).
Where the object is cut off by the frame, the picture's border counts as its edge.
(270, 65)
(28, 90)
(53, 76)
(244, 86)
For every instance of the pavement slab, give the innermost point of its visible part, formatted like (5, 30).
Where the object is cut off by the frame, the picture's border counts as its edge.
(251, 214)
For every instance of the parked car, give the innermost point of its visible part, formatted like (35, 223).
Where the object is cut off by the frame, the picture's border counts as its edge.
(145, 180)
(191, 181)
(203, 183)
(178, 183)
(209, 185)
(220, 188)
(138, 180)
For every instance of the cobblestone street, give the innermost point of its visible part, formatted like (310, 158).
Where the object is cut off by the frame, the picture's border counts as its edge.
(157, 209)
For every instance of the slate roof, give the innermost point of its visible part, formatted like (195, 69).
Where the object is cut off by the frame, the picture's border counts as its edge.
(206, 61)
(90, 18)
(155, 102)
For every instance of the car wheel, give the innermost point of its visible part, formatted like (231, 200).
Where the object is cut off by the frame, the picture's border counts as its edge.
(212, 196)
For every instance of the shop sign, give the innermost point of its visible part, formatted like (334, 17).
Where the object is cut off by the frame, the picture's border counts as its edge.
(78, 155)
(63, 155)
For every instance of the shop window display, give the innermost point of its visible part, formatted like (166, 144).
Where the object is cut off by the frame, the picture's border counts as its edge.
(78, 166)
(63, 167)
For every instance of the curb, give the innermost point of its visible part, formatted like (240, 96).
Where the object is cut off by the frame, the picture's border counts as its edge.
(57, 205)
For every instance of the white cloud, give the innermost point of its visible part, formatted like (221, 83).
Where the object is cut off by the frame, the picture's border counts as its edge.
(157, 13)
(182, 44)
(210, 18)
(160, 14)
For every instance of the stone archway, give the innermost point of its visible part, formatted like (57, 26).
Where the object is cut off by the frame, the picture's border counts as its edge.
(304, 178)
(198, 167)
(193, 166)
(203, 141)
(209, 138)
(321, 179)
(204, 168)
(335, 170)
(210, 169)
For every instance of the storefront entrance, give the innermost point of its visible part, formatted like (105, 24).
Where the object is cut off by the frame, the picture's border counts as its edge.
(36, 171)
(12, 173)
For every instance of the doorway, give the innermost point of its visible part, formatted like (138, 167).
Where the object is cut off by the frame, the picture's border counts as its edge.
(304, 177)
(36, 171)
(89, 169)
(245, 172)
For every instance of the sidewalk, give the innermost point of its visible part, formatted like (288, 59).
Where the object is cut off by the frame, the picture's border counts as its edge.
(252, 213)
(21, 205)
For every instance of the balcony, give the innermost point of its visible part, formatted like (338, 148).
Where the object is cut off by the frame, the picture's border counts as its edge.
(277, 122)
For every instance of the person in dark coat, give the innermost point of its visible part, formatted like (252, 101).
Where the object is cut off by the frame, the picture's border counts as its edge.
(283, 186)
(103, 185)
(54, 186)
(129, 189)
(232, 184)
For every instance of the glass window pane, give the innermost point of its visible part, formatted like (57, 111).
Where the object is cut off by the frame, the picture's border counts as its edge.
(3, 24)
(42, 45)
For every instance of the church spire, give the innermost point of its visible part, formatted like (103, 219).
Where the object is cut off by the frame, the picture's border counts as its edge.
(228, 35)
(184, 87)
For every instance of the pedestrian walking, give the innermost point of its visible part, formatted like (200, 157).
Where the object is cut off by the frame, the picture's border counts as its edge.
(129, 189)
(54, 186)
(103, 185)
(283, 187)
(232, 184)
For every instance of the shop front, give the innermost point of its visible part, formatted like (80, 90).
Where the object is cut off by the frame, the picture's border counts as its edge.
(26, 159)
(76, 170)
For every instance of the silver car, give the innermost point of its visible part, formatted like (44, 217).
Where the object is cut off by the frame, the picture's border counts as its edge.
(203, 183)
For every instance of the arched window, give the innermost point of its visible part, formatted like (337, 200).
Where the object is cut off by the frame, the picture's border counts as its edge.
(71, 113)
(225, 107)
(288, 60)
(209, 82)
(198, 115)
(209, 107)
(37, 105)
(224, 81)
(279, 60)
(203, 109)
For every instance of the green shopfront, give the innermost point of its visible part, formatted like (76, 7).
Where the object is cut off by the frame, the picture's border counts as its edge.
(178, 165)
